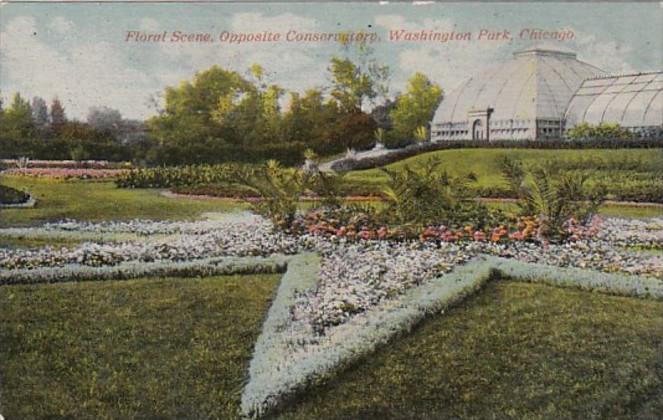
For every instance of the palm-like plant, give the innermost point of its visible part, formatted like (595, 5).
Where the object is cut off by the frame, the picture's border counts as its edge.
(425, 196)
(280, 190)
(553, 195)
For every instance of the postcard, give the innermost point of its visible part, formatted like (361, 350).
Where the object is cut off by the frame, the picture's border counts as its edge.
(323, 210)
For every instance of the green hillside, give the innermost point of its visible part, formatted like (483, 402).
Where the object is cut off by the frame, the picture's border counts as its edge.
(631, 174)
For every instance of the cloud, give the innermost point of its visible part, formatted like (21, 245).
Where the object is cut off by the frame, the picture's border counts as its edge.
(61, 25)
(293, 66)
(82, 76)
(610, 56)
(253, 22)
(446, 63)
(149, 24)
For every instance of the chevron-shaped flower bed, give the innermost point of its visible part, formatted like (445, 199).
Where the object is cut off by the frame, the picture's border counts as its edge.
(284, 363)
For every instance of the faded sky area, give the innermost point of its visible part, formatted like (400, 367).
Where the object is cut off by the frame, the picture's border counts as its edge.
(79, 52)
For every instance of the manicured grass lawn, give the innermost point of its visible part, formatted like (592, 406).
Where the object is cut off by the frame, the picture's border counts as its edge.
(609, 210)
(629, 174)
(485, 162)
(630, 211)
(86, 200)
(515, 350)
(149, 348)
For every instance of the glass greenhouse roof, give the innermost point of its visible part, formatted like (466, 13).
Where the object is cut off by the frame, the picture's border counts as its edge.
(534, 84)
(630, 100)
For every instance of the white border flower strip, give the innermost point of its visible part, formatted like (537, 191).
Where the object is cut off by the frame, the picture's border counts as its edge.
(610, 283)
(280, 367)
(266, 386)
(129, 270)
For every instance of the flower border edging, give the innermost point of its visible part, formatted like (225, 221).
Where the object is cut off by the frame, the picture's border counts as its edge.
(302, 274)
(199, 268)
(610, 283)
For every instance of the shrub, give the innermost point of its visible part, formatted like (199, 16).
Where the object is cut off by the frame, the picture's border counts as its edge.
(425, 196)
(12, 196)
(556, 197)
(176, 176)
(279, 189)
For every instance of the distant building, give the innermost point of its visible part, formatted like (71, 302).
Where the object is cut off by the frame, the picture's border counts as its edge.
(540, 93)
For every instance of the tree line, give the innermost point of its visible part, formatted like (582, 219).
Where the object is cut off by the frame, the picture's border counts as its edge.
(222, 115)
(36, 130)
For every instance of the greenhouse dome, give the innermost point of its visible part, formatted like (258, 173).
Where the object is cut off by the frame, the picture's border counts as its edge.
(632, 101)
(525, 97)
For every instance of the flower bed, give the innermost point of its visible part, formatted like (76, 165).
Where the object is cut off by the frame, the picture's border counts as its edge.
(67, 173)
(162, 241)
(68, 164)
(350, 293)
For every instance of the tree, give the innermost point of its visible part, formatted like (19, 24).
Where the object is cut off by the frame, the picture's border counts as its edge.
(350, 85)
(39, 112)
(380, 114)
(17, 128)
(416, 107)
(104, 118)
(58, 116)
(190, 107)
(18, 116)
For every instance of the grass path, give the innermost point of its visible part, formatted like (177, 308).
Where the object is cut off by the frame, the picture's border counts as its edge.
(515, 350)
(150, 348)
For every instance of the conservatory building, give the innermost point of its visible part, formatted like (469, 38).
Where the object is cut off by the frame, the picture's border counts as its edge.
(540, 93)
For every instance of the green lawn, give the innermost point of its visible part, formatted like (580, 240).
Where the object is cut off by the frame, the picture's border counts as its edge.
(149, 348)
(485, 162)
(628, 173)
(515, 350)
(36, 242)
(611, 210)
(180, 348)
(87, 200)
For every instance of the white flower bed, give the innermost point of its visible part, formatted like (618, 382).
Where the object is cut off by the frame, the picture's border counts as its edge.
(345, 300)
(132, 269)
(636, 232)
(164, 241)
(282, 365)
(355, 276)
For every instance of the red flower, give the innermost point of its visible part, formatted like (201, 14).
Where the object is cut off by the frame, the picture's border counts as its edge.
(479, 236)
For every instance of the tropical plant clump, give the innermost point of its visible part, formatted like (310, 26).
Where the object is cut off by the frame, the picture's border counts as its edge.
(557, 199)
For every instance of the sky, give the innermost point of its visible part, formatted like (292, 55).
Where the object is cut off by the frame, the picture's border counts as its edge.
(80, 52)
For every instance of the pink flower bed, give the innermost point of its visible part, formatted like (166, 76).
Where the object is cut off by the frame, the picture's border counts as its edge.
(64, 173)
(68, 164)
